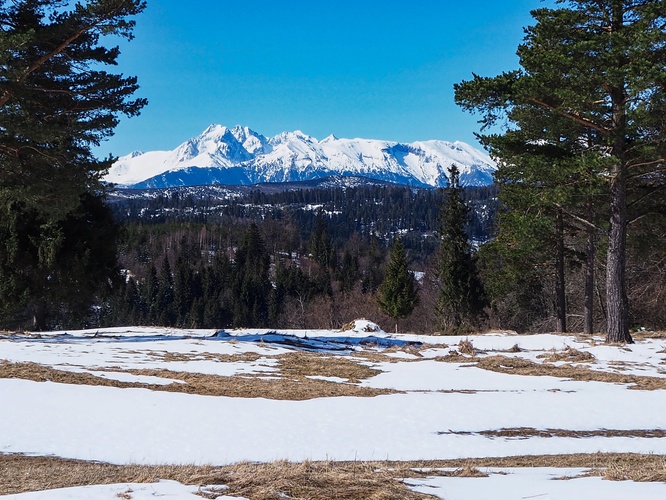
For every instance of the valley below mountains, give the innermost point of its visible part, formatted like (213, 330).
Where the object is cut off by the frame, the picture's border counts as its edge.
(239, 156)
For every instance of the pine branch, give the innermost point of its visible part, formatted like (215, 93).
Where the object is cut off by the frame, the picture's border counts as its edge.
(572, 115)
(57, 50)
(583, 221)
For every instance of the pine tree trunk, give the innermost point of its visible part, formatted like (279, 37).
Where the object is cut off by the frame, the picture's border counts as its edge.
(560, 296)
(588, 326)
(616, 292)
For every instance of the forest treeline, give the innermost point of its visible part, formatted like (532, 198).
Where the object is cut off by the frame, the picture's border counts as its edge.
(325, 253)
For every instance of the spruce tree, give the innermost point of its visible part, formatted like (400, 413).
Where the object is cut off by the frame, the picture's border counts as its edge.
(461, 294)
(251, 286)
(397, 295)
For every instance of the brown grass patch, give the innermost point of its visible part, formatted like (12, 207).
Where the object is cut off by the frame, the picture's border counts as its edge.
(309, 480)
(466, 347)
(307, 364)
(647, 334)
(569, 354)
(383, 357)
(528, 432)
(196, 383)
(245, 357)
(269, 481)
(519, 366)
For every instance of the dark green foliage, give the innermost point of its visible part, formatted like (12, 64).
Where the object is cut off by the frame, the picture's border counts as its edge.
(55, 100)
(585, 116)
(304, 290)
(397, 295)
(55, 268)
(349, 272)
(249, 283)
(516, 278)
(462, 297)
(363, 210)
(56, 103)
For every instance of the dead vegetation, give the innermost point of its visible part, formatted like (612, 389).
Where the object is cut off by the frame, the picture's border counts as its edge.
(258, 481)
(521, 366)
(466, 347)
(529, 432)
(648, 334)
(309, 480)
(570, 355)
(247, 386)
(299, 365)
(167, 357)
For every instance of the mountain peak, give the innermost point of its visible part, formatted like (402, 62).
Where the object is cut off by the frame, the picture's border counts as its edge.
(239, 155)
(214, 129)
(329, 138)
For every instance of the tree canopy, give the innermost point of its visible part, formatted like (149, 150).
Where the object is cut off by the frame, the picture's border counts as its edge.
(56, 103)
(591, 93)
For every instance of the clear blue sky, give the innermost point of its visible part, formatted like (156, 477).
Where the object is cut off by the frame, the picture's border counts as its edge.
(379, 69)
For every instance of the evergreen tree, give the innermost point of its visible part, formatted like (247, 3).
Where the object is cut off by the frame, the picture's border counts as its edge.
(251, 286)
(166, 315)
(56, 103)
(56, 268)
(462, 297)
(397, 295)
(151, 288)
(599, 66)
(320, 242)
(349, 274)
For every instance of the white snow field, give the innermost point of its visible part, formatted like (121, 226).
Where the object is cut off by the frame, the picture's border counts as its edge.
(440, 407)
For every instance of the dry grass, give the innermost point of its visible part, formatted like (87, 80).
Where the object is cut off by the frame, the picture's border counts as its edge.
(529, 432)
(196, 383)
(519, 366)
(647, 334)
(245, 357)
(466, 347)
(306, 364)
(269, 481)
(308, 480)
(569, 354)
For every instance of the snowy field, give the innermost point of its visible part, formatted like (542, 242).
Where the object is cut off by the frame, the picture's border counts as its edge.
(163, 396)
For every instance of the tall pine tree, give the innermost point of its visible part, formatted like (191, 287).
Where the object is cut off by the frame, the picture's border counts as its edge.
(56, 103)
(601, 67)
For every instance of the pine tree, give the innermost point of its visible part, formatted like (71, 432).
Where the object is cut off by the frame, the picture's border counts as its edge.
(462, 297)
(597, 68)
(56, 103)
(397, 295)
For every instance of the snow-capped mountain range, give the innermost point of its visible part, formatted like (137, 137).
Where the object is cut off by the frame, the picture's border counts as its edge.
(240, 156)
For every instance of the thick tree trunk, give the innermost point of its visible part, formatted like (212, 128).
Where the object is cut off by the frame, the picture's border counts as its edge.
(588, 320)
(616, 292)
(560, 295)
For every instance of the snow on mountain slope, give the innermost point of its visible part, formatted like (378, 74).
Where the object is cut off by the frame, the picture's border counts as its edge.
(238, 155)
